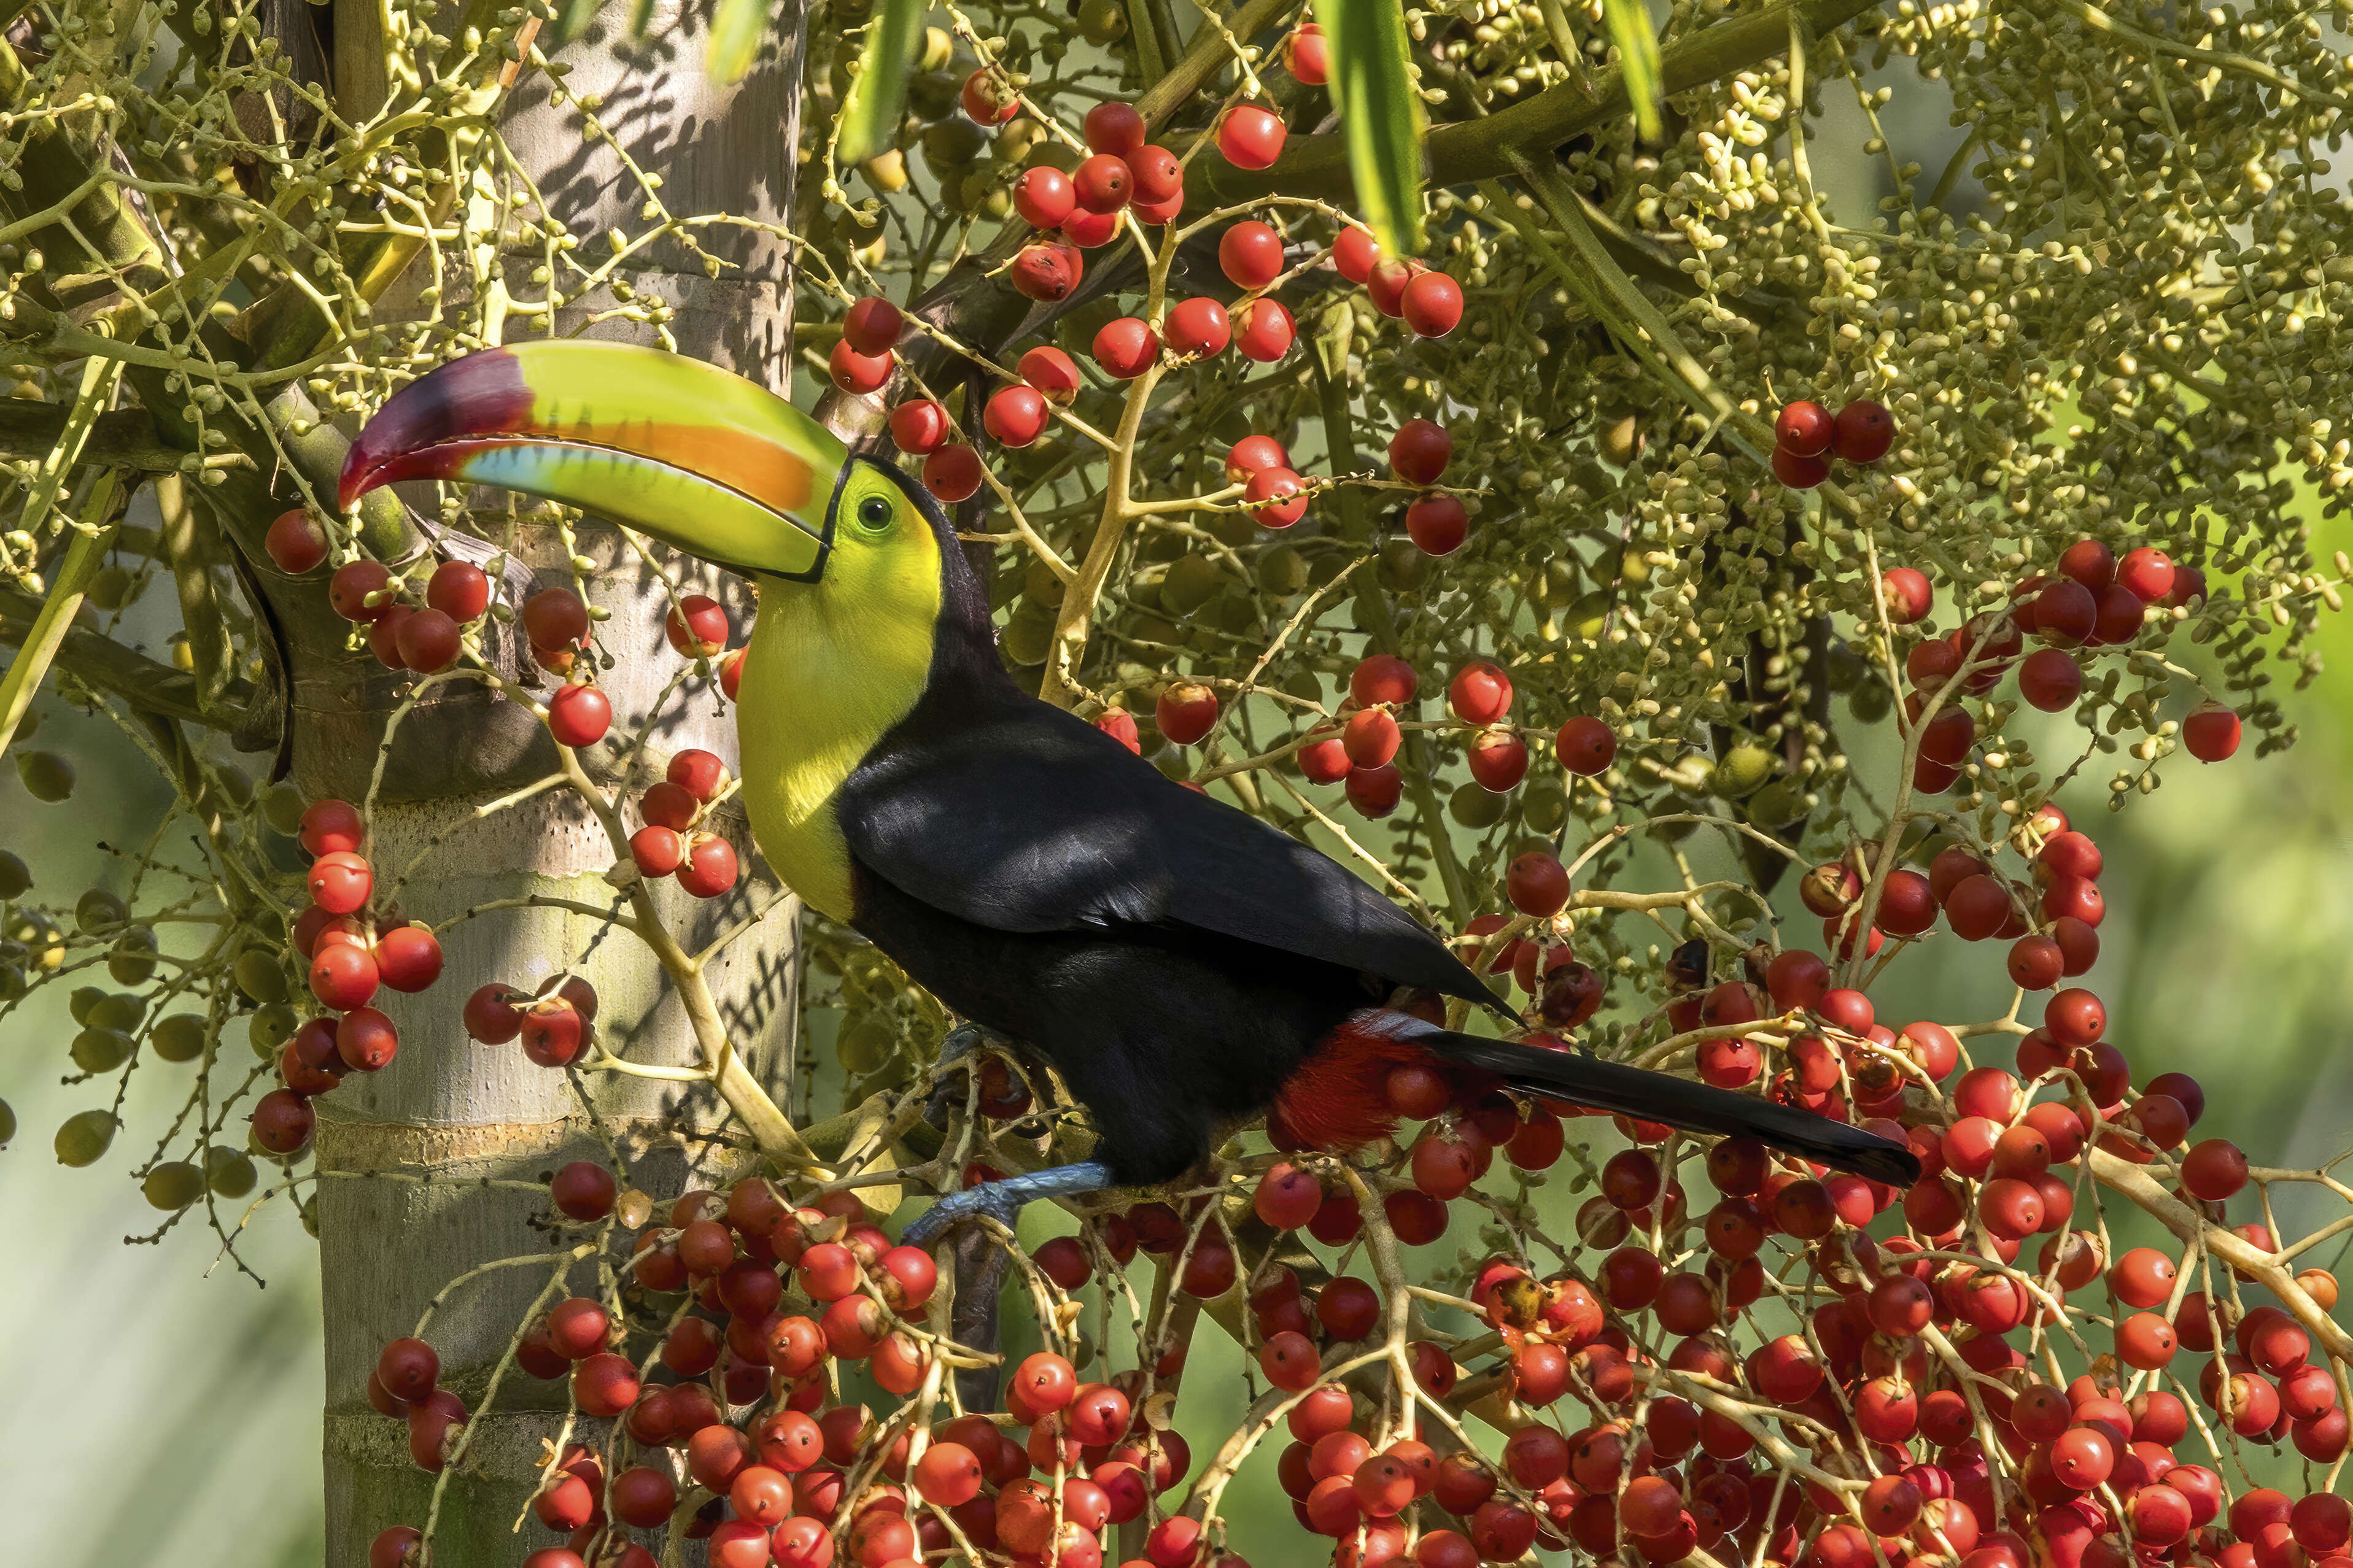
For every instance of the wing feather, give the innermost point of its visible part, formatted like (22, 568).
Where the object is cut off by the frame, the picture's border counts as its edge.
(1025, 819)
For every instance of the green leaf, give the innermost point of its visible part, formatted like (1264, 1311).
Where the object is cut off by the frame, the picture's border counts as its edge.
(878, 94)
(1638, 52)
(1380, 114)
(737, 30)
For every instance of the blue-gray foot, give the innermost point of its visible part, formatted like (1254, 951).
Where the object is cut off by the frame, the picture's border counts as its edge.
(1003, 1200)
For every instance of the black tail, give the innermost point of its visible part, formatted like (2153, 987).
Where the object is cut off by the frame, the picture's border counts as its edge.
(1678, 1102)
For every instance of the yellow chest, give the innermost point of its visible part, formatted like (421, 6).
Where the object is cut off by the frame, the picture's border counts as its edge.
(822, 683)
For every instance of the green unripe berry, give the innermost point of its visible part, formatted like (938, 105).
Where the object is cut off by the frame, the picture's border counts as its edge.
(84, 1137)
(270, 1028)
(260, 974)
(173, 1186)
(100, 1050)
(1743, 772)
(133, 961)
(15, 881)
(1475, 805)
(98, 910)
(229, 1174)
(47, 776)
(178, 1038)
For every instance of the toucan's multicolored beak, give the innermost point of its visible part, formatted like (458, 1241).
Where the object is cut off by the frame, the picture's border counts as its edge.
(669, 446)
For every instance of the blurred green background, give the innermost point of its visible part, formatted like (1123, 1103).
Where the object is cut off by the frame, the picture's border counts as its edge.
(156, 1408)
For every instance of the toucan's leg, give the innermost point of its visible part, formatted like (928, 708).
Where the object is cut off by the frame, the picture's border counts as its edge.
(1004, 1200)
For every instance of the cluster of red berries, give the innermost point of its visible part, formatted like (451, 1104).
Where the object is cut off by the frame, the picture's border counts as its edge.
(672, 843)
(1079, 211)
(1360, 753)
(401, 636)
(2094, 601)
(1419, 454)
(733, 1392)
(1807, 436)
(556, 1024)
(428, 638)
(352, 952)
(1427, 301)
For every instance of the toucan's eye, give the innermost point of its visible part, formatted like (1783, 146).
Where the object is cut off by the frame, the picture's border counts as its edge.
(874, 511)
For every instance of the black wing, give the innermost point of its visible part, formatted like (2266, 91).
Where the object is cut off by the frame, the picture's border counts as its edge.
(1023, 817)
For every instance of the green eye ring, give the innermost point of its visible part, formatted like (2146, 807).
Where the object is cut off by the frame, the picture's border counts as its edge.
(874, 513)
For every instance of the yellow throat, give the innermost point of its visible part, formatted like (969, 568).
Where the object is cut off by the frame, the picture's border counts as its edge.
(831, 667)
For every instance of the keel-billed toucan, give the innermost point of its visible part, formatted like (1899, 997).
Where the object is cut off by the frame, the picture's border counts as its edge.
(1182, 964)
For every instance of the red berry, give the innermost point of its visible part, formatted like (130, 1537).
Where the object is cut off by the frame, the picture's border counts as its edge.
(1863, 432)
(1433, 304)
(952, 473)
(1113, 128)
(1355, 252)
(296, 543)
(2050, 679)
(1803, 429)
(1437, 523)
(1103, 184)
(1054, 372)
(1250, 137)
(1014, 416)
(1250, 253)
(1537, 884)
(1370, 737)
(1480, 694)
(1048, 271)
(341, 882)
(2090, 563)
(1386, 286)
(1199, 326)
(578, 715)
(1909, 597)
(1420, 452)
(428, 641)
(329, 825)
(283, 1122)
(460, 590)
(1159, 180)
(2211, 733)
(1798, 473)
(1383, 678)
(1276, 497)
(858, 373)
(1126, 348)
(872, 325)
(1250, 454)
(408, 958)
(710, 868)
(583, 1190)
(1264, 330)
(1585, 746)
(366, 1040)
(1186, 712)
(989, 97)
(1375, 792)
(918, 425)
(2146, 573)
(1308, 57)
(2214, 1170)
(697, 627)
(348, 590)
(1044, 196)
